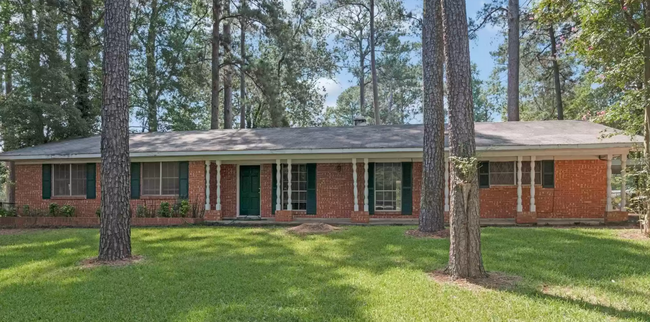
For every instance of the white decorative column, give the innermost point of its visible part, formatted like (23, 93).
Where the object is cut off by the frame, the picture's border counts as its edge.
(354, 179)
(365, 185)
(532, 184)
(278, 185)
(289, 185)
(207, 185)
(609, 182)
(520, 207)
(218, 184)
(623, 192)
(446, 184)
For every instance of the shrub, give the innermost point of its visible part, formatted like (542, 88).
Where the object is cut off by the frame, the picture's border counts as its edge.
(164, 210)
(98, 212)
(67, 211)
(10, 212)
(141, 211)
(54, 210)
(184, 208)
(25, 211)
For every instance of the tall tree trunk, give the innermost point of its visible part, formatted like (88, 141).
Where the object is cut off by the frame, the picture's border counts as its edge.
(465, 258)
(375, 91)
(646, 121)
(214, 103)
(227, 70)
(432, 210)
(115, 230)
(150, 56)
(8, 84)
(242, 74)
(82, 63)
(513, 60)
(362, 80)
(556, 76)
(8, 79)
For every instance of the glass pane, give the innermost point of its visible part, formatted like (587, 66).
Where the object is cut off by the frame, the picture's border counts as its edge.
(170, 184)
(151, 178)
(61, 179)
(78, 183)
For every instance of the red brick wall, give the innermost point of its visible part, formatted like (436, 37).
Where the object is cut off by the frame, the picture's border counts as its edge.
(580, 191)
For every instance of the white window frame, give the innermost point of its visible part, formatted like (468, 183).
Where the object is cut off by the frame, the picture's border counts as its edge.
(293, 185)
(160, 178)
(398, 191)
(69, 181)
(514, 172)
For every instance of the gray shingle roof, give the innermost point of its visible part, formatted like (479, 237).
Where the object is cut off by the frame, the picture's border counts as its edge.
(390, 137)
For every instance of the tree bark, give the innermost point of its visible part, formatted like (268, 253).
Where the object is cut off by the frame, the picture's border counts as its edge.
(432, 211)
(82, 63)
(646, 121)
(150, 56)
(362, 80)
(8, 82)
(556, 76)
(8, 79)
(115, 230)
(214, 103)
(242, 74)
(227, 71)
(375, 92)
(513, 60)
(465, 258)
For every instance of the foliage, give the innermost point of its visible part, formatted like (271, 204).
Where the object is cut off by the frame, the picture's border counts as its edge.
(8, 212)
(165, 210)
(67, 211)
(141, 211)
(53, 210)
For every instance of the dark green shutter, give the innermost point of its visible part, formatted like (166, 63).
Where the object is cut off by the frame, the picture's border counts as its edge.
(91, 173)
(548, 174)
(371, 188)
(47, 181)
(484, 174)
(274, 188)
(183, 179)
(407, 188)
(311, 188)
(135, 180)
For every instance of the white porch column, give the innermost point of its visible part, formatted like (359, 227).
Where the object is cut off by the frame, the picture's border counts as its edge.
(446, 184)
(609, 182)
(365, 185)
(278, 185)
(207, 185)
(520, 207)
(532, 184)
(623, 192)
(289, 184)
(218, 184)
(354, 179)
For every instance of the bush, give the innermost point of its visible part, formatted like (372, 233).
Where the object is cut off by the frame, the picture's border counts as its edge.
(165, 210)
(11, 212)
(141, 211)
(54, 210)
(25, 211)
(67, 211)
(98, 212)
(184, 208)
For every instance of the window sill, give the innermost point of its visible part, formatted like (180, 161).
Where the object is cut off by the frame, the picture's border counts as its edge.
(68, 198)
(159, 197)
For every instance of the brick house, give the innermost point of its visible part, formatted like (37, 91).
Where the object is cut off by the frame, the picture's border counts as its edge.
(356, 172)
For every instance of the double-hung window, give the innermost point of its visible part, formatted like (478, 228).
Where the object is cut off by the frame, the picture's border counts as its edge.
(69, 179)
(298, 186)
(160, 178)
(505, 173)
(388, 186)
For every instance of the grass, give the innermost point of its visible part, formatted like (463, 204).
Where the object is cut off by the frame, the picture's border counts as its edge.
(360, 273)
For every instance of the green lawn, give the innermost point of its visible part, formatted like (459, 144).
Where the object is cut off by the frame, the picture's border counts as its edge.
(361, 273)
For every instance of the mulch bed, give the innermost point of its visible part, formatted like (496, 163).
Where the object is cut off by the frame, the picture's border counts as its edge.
(313, 228)
(442, 234)
(633, 234)
(493, 281)
(94, 262)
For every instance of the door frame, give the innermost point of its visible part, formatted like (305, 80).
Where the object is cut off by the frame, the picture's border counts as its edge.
(239, 187)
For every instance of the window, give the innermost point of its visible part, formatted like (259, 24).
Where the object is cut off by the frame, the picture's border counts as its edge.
(160, 178)
(298, 186)
(388, 186)
(525, 172)
(69, 179)
(502, 173)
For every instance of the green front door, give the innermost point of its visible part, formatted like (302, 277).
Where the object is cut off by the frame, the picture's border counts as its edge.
(249, 190)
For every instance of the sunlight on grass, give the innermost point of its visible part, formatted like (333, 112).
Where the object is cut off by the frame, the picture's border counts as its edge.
(359, 273)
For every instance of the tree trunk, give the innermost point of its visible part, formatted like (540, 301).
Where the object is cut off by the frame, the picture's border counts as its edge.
(8, 82)
(465, 258)
(227, 71)
(375, 92)
(82, 63)
(556, 76)
(8, 79)
(115, 230)
(362, 81)
(432, 210)
(214, 103)
(150, 56)
(242, 74)
(513, 60)
(646, 121)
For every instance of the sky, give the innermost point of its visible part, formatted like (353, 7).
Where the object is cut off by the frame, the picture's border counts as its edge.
(486, 41)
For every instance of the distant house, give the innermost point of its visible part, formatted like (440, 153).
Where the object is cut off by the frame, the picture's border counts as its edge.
(355, 172)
